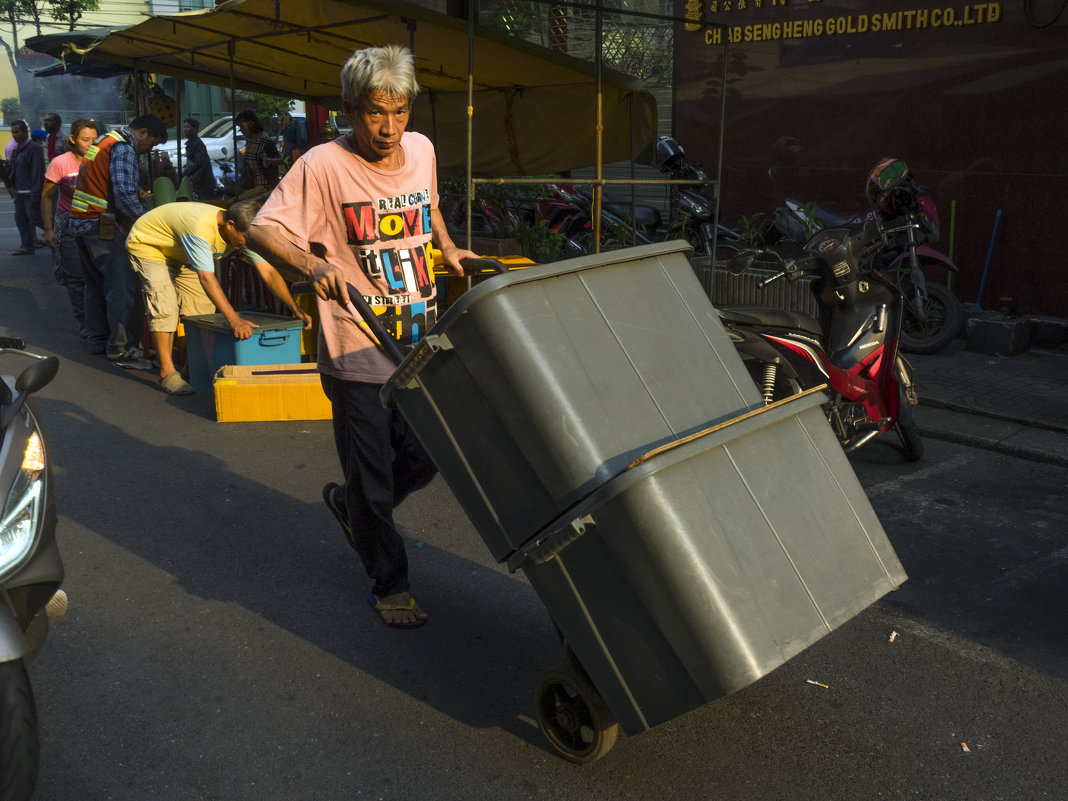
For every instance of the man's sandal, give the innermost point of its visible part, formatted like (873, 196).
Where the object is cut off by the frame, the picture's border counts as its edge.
(408, 607)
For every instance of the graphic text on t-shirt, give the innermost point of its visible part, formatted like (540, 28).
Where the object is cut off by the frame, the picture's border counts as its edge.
(380, 234)
(370, 222)
(370, 226)
(409, 323)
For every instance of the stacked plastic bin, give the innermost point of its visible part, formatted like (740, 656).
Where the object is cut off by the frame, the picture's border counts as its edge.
(600, 431)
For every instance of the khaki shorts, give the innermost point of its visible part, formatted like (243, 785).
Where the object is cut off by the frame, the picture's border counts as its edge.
(170, 292)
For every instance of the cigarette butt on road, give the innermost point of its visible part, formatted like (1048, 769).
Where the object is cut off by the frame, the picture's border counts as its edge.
(964, 747)
(893, 636)
(824, 686)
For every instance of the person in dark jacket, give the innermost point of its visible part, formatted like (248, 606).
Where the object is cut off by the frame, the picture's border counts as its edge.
(107, 199)
(197, 167)
(27, 181)
(55, 139)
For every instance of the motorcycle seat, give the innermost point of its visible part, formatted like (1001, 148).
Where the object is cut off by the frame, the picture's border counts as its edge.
(772, 318)
(831, 219)
(646, 216)
(643, 216)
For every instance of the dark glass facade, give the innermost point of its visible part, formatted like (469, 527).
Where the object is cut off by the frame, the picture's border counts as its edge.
(971, 95)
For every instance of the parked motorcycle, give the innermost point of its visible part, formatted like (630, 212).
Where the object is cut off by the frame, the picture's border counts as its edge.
(852, 355)
(622, 224)
(933, 315)
(567, 211)
(225, 183)
(31, 570)
(693, 213)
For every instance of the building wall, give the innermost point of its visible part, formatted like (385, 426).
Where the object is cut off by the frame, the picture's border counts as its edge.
(111, 13)
(970, 94)
(179, 6)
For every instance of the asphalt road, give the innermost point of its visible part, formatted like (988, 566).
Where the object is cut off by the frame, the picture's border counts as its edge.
(218, 647)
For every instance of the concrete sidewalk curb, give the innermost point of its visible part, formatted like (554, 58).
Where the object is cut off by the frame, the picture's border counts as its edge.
(1021, 418)
(1009, 437)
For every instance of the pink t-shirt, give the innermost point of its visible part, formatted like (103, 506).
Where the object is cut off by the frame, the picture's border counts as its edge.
(63, 171)
(374, 224)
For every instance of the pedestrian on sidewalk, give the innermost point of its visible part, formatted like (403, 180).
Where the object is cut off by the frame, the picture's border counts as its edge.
(60, 180)
(107, 200)
(197, 167)
(56, 142)
(27, 182)
(260, 157)
(324, 221)
(173, 249)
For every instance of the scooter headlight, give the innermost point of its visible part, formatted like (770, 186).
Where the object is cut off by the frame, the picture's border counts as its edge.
(24, 506)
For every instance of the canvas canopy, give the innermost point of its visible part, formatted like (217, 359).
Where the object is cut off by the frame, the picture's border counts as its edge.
(534, 110)
(72, 44)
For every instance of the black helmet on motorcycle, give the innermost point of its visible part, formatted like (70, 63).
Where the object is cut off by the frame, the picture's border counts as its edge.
(890, 187)
(668, 151)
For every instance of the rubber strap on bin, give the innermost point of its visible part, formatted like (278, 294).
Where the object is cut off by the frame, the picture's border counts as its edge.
(720, 426)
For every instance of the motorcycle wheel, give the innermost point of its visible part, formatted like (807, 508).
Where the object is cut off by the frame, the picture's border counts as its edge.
(907, 431)
(583, 241)
(725, 251)
(19, 746)
(941, 327)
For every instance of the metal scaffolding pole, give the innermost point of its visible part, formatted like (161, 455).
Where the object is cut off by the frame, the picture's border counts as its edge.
(231, 47)
(599, 181)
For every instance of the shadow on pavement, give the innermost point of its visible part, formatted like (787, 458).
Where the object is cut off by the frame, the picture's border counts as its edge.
(982, 543)
(230, 539)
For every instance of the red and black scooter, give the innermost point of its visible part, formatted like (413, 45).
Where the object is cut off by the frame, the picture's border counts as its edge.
(853, 352)
(933, 314)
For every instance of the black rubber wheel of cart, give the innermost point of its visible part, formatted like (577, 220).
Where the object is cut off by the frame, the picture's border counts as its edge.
(573, 716)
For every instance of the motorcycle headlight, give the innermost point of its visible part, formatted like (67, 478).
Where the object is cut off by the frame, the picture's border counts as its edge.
(24, 506)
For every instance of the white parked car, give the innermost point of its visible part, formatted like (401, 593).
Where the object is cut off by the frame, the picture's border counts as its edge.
(216, 136)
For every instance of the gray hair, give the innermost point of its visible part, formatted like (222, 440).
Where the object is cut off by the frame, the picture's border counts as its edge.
(241, 213)
(388, 69)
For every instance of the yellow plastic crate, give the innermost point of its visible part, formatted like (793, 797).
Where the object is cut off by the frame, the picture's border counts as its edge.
(256, 393)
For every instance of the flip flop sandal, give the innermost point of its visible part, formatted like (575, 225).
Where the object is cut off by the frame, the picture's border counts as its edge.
(408, 607)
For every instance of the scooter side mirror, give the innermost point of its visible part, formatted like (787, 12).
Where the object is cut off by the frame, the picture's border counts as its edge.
(741, 261)
(37, 375)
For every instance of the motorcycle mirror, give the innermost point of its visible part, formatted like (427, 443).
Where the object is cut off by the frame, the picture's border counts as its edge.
(741, 261)
(37, 375)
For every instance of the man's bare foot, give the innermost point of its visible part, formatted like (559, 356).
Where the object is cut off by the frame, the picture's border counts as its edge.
(399, 610)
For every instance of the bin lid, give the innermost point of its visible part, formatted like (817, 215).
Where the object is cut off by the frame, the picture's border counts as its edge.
(539, 272)
(263, 322)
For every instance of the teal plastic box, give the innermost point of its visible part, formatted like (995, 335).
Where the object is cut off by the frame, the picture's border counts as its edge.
(210, 344)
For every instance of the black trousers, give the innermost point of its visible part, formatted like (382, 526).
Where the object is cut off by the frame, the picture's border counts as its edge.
(383, 462)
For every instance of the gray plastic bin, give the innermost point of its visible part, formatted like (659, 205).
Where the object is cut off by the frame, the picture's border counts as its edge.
(706, 566)
(537, 387)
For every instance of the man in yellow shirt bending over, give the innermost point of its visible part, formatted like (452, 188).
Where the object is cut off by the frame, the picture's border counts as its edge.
(173, 249)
